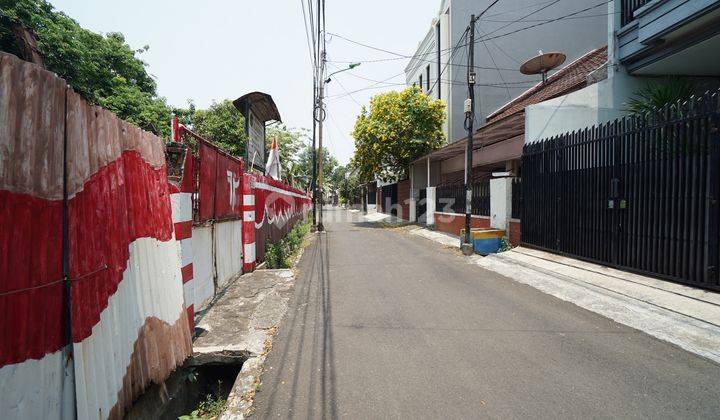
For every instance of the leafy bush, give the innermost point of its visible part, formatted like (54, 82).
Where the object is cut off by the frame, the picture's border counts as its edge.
(281, 254)
(656, 95)
(211, 408)
(505, 245)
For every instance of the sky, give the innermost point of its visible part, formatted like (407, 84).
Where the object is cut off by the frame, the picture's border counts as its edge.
(221, 49)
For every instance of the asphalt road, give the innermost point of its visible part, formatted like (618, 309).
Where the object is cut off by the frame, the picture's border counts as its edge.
(387, 325)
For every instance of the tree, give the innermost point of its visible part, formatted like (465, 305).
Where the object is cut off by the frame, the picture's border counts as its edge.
(399, 127)
(102, 69)
(349, 185)
(222, 124)
(304, 164)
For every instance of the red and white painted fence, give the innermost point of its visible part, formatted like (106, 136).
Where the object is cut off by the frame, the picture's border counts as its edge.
(103, 261)
(230, 214)
(277, 209)
(127, 325)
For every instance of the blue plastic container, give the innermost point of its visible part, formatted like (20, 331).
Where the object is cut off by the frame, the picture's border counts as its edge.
(485, 241)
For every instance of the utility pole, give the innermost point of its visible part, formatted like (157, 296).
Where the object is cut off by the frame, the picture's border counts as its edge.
(467, 246)
(321, 117)
(314, 160)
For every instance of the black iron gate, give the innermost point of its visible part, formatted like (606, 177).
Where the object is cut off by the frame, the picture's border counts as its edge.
(389, 199)
(639, 193)
(422, 206)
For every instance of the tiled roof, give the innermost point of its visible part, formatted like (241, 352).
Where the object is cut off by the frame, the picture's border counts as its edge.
(569, 78)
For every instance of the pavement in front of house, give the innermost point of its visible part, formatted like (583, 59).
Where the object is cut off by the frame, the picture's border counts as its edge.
(384, 324)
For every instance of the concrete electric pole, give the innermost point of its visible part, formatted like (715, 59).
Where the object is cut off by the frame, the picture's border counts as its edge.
(467, 246)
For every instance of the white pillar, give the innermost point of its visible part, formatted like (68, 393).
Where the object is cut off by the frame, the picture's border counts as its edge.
(413, 196)
(430, 205)
(500, 202)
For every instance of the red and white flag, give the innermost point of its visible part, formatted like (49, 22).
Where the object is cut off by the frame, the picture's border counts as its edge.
(272, 168)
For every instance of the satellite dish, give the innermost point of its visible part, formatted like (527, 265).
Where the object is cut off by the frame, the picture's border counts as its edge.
(542, 63)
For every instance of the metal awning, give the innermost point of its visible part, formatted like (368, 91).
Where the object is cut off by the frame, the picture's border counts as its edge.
(262, 104)
(509, 128)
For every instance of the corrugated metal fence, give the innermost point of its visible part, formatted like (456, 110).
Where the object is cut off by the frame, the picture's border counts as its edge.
(102, 260)
(88, 254)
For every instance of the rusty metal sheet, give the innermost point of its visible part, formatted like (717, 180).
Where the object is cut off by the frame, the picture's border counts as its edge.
(129, 324)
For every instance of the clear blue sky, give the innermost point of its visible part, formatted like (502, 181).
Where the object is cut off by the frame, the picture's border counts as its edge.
(220, 49)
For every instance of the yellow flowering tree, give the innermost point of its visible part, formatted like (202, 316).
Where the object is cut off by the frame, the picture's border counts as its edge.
(399, 127)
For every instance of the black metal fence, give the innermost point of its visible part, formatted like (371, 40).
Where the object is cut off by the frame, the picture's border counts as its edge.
(638, 193)
(628, 7)
(389, 199)
(451, 198)
(422, 206)
(516, 191)
(371, 194)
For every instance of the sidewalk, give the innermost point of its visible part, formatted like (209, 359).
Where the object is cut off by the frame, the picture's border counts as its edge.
(242, 323)
(681, 315)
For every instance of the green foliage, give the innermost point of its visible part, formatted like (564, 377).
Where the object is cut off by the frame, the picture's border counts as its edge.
(281, 254)
(399, 127)
(657, 95)
(210, 408)
(348, 184)
(105, 70)
(304, 165)
(223, 124)
(504, 245)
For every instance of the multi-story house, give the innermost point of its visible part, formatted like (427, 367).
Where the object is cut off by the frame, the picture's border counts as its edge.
(648, 40)
(511, 32)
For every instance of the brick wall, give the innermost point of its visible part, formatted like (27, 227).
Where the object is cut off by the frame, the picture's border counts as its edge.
(514, 232)
(403, 195)
(452, 223)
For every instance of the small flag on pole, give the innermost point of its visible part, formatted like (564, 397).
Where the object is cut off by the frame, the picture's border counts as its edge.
(272, 169)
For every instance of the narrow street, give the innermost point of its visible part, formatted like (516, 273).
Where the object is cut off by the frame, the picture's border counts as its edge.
(385, 325)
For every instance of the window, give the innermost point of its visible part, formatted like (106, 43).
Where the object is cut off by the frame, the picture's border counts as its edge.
(420, 82)
(427, 77)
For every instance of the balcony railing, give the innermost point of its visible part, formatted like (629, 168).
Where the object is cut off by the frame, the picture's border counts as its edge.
(628, 8)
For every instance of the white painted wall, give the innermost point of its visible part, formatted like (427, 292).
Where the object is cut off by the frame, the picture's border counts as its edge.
(203, 274)
(595, 104)
(228, 251)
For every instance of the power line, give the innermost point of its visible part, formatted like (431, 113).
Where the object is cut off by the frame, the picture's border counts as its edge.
(545, 23)
(547, 20)
(457, 45)
(507, 12)
(307, 36)
(515, 85)
(526, 16)
(480, 15)
(502, 79)
(400, 56)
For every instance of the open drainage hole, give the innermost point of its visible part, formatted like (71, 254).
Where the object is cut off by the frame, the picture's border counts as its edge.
(202, 390)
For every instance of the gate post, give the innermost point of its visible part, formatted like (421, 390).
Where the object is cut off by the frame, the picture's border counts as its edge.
(500, 202)
(430, 206)
(248, 229)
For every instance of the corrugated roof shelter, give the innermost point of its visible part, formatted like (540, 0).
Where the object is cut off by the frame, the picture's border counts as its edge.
(258, 108)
